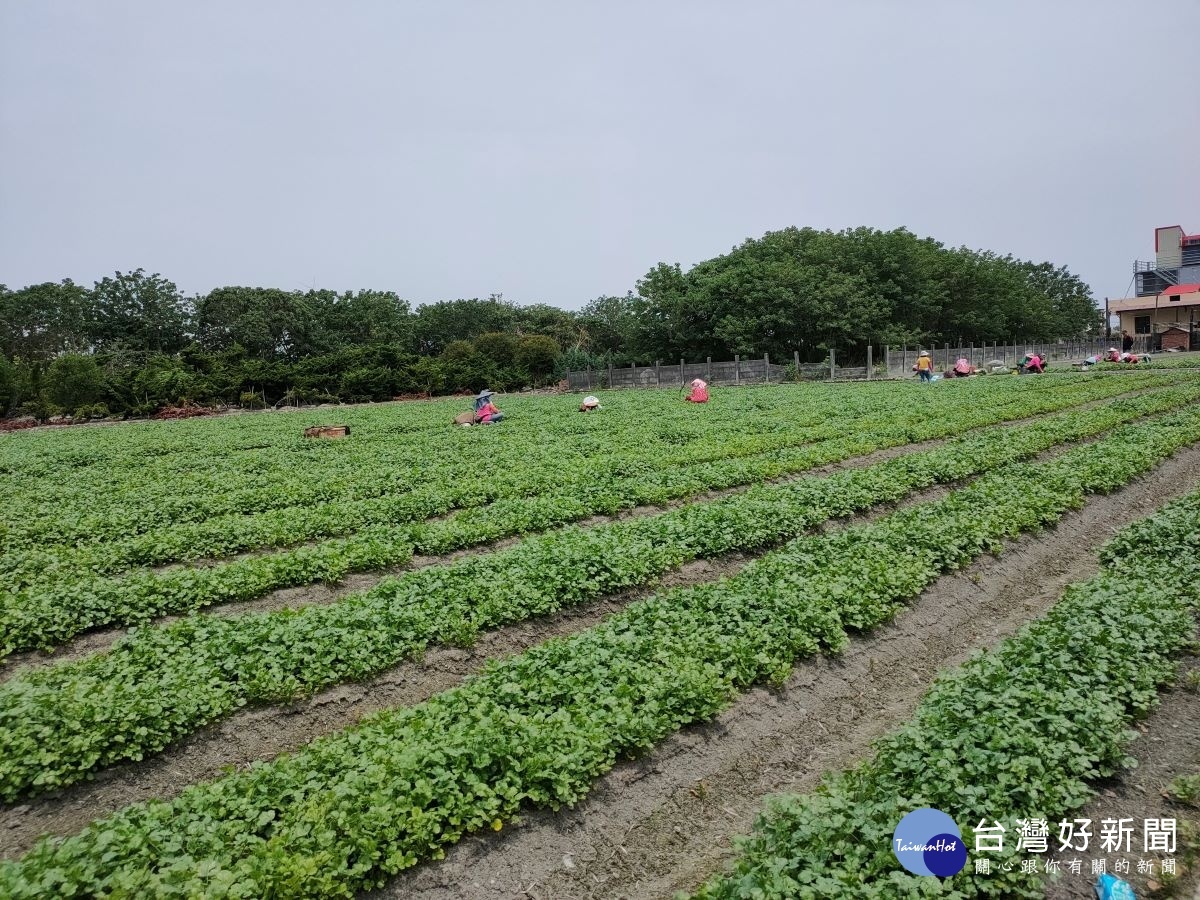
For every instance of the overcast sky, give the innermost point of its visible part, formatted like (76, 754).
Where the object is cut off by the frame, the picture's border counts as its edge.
(554, 151)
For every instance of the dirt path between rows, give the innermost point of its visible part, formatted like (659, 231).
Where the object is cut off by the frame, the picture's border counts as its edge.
(1167, 746)
(663, 822)
(255, 733)
(324, 594)
(264, 732)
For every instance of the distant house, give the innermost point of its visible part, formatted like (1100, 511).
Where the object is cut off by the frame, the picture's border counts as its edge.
(1165, 314)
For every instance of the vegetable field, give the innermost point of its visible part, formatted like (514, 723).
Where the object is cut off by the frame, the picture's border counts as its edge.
(577, 655)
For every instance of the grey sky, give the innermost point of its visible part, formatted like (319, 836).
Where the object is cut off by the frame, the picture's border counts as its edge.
(555, 151)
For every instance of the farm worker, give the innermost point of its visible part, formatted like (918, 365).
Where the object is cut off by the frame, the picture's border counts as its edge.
(1032, 363)
(962, 368)
(1114, 355)
(1091, 361)
(925, 366)
(486, 412)
(1126, 341)
(699, 392)
(589, 404)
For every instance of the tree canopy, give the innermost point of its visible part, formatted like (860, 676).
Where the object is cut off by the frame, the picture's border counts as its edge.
(133, 341)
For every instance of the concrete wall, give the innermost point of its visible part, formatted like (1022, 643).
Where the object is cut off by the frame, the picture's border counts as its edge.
(1170, 246)
(1167, 314)
(1189, 275)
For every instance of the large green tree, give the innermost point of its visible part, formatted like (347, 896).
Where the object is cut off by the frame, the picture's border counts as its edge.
(146, 312)
(40, 321)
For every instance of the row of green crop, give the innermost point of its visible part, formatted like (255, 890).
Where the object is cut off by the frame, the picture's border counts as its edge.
(421, 495)
(1016, 733)
(59, 724)
(1157, 361)
(47, 614)
(394, 485)
(537, 728)
(363, 469)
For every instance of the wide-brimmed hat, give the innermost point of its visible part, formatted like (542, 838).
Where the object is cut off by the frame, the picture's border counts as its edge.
(591, 401)
(484, 393)
(924, 352)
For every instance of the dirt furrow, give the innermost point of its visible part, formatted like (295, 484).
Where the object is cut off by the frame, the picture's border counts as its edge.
(663, 822)
(1167, 746)
(256, 733)
(323, 594)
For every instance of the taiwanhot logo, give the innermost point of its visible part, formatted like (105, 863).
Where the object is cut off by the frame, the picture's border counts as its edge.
(928, 842)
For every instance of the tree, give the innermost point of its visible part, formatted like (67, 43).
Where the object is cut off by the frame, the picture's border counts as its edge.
(499, 347)
(538, 355)
(166, 380)
(8, 385)
(437, 325)
(464, 368)
(42, 320)
(144, 312)
(266, 322)
(73, 381)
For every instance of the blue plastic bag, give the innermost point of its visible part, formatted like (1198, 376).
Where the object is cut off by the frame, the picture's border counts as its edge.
(1109, 887)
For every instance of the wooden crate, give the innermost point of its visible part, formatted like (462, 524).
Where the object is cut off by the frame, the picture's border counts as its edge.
(327, 431)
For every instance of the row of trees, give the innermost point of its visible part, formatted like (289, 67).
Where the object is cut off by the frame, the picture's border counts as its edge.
(133, 342)
(819, 290)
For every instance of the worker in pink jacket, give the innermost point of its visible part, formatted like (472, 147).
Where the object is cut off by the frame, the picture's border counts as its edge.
(699, 392)
(486, 412)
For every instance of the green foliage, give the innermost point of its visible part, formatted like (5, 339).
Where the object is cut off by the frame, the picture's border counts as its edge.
(40, 321)
(9, 384)
(1185, 789)
(74, 565)
(537, 355)
(537, 728)
(1018, 731)
(284, 655)
(72, 381)
(140, 311)
(795, 289)
(814, 290)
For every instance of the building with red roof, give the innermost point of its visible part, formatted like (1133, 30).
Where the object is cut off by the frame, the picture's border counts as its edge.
(1165, 313)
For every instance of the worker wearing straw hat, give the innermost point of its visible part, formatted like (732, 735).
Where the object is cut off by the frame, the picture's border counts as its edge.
(924, 366)
(486, 412)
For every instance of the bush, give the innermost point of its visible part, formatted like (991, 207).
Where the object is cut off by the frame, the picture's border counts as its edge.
(465, 368)
(72, 381)
(367, 383)
(166, 381)
(538, 355)
(498, 347)
(251, 400)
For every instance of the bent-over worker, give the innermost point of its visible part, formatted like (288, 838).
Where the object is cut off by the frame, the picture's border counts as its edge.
(699, 392)
(1031, 363)
(589, 404)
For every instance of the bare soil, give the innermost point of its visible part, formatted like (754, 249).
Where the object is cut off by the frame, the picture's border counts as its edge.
(664, 822)
(255, 733)
(1167, 746)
